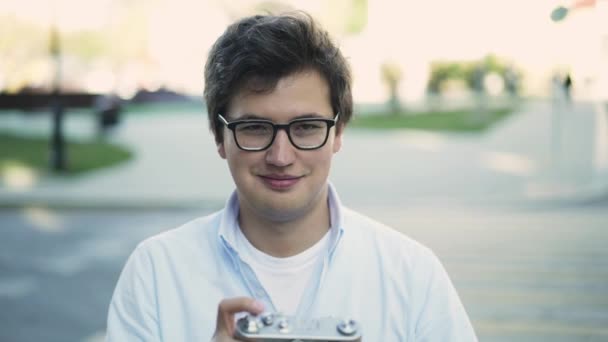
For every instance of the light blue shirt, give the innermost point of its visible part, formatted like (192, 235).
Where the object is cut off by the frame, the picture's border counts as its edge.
(392, 285)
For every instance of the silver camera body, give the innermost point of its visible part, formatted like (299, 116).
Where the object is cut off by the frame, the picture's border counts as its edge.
(271, 327)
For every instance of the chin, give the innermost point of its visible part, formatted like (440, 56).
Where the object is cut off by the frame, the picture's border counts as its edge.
(283, 210)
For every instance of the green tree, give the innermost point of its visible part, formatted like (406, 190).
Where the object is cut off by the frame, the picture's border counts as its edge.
(392, 75)
(24, 47)
(356, 19)
(466, 71)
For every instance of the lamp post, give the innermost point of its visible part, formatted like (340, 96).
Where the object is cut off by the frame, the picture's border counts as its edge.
(57, 146)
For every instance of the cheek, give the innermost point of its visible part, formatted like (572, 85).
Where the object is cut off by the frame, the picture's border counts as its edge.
(321, 160)
(241, 162)
(231, 152)
(238, 169)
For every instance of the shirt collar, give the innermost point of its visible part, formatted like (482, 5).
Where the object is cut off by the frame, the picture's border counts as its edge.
(228, 223)
(336, 213)
(229, 217)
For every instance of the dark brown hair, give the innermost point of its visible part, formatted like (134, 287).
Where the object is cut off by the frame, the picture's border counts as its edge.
(256, 52)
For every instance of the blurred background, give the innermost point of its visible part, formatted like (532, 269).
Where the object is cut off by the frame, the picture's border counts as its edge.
(480, 129)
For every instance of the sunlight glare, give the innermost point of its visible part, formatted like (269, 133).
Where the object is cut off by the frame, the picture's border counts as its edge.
(44, 219)
(424, 141)
(17, 176)
(509, 163)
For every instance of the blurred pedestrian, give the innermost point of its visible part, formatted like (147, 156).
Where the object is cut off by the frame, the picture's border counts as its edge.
(567, 84)
(511, 82)
(108, 110)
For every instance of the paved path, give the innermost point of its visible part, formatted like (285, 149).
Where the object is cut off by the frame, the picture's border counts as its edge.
(523, 275)
(176, 163)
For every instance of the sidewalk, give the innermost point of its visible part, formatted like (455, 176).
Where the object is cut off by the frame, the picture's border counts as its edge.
(519, 161)
(174, 161)
(567, 146)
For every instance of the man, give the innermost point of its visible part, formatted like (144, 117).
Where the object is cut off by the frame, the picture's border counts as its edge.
(278, 93)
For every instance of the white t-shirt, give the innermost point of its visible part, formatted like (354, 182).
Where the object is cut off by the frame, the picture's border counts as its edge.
(284, 279)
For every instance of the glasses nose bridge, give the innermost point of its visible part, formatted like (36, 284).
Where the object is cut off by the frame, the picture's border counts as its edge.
(280, 150)
(283, 127)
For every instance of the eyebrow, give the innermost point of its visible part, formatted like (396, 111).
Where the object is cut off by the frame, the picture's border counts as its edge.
(251, 116)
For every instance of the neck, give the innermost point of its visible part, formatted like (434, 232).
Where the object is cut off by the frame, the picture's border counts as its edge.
(289, 237)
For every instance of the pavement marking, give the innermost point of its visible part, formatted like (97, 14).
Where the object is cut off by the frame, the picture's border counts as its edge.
(502, 327)
(601, 137)
(44, 219)
(509, 163)
(426, 141)
(531, 297)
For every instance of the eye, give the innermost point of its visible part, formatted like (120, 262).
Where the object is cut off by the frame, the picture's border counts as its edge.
(307, 126)
(253, 128)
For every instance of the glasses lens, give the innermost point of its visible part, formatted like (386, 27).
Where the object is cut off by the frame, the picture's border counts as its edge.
(253, 135)
(308, 133)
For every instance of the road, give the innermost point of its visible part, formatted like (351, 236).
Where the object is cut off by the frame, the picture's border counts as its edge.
(524, 274)
(58, 269)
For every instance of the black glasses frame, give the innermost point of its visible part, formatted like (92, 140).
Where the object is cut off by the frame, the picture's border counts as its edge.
(276, 127)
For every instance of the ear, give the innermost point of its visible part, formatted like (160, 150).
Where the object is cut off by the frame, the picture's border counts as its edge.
(338, 138)
(221, 150)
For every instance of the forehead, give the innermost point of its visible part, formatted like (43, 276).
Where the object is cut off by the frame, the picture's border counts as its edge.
(305, 92)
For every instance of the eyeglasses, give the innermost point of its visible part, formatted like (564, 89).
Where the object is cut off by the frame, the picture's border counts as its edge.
(258, 135)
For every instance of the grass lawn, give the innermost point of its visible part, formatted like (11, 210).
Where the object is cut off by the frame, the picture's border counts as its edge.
(461, 120)
(33, 153)
(163, 108)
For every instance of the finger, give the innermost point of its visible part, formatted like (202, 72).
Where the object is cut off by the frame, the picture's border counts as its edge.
(231, 306)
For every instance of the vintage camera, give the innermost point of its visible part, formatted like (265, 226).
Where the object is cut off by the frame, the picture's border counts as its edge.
(273, 327)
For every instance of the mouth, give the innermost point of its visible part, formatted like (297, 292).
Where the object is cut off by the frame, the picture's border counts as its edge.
(280, 182)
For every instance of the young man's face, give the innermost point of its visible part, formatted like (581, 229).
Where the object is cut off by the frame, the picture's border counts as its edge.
(282, 182)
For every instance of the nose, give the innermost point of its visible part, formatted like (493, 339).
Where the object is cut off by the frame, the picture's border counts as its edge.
(281, 152)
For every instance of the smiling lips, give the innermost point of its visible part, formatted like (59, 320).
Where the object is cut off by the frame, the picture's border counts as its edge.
(280, 182)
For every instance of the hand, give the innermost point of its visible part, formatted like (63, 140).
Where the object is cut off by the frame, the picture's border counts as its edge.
(224, 329)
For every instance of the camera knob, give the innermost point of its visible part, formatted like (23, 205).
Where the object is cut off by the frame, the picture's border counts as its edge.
(268, 319)
(347, 327)
(251, 325)
(283, 326)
